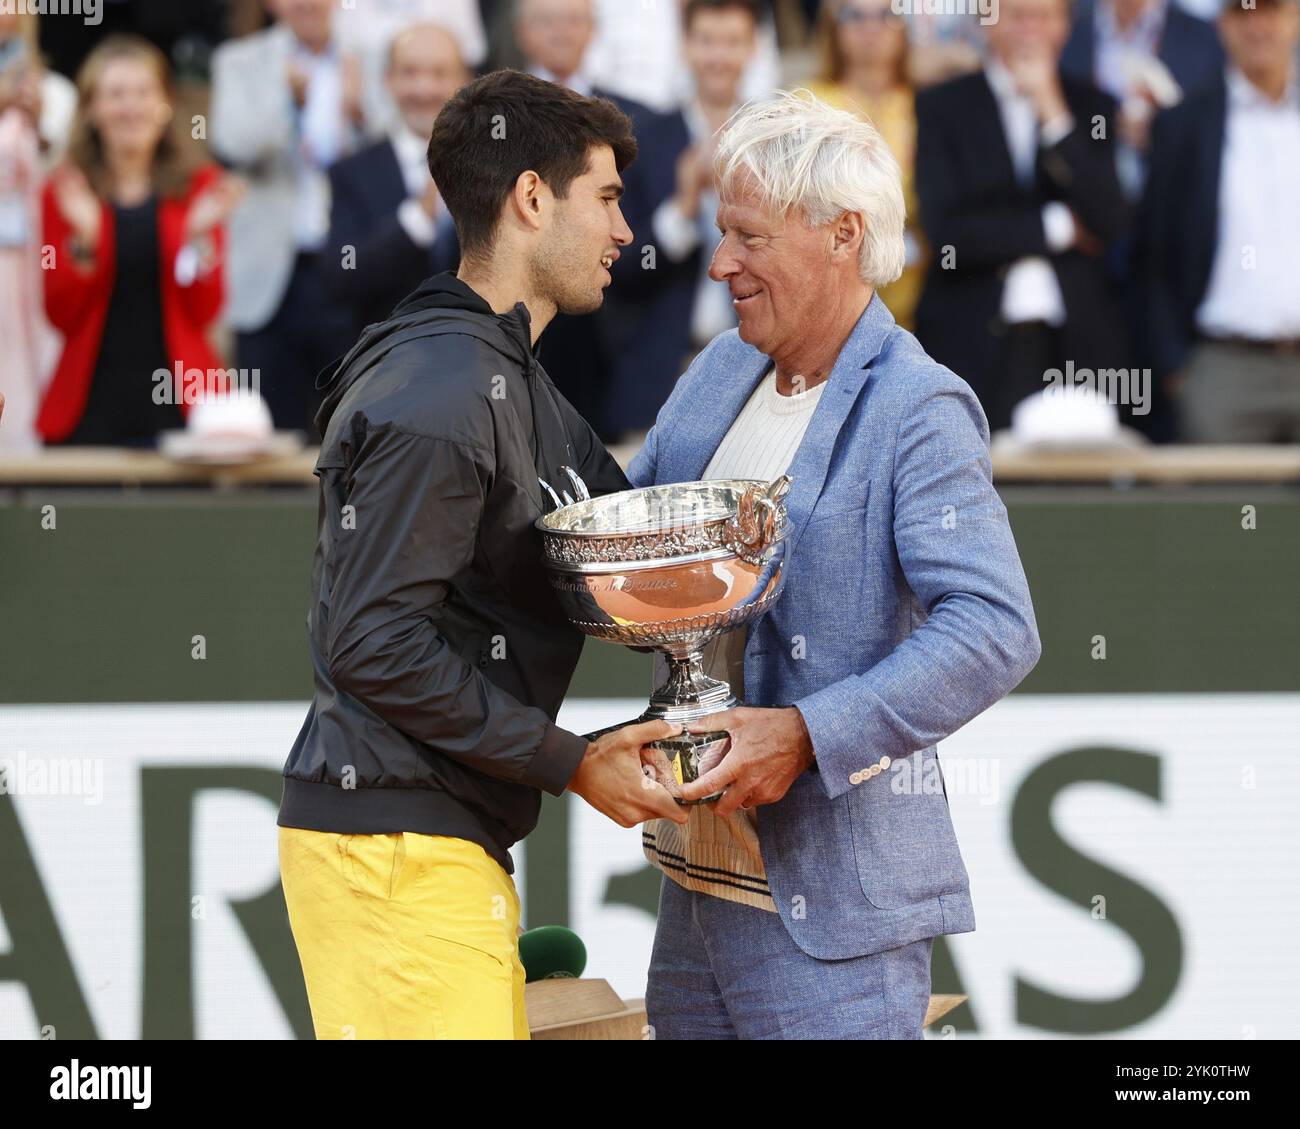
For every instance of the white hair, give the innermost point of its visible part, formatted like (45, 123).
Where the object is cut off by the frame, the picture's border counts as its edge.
(813, 161)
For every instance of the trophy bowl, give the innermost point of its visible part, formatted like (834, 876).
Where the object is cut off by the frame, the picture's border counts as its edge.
(668, 568)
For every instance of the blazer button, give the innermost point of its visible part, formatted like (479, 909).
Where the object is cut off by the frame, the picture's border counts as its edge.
(855, 778)
(875, 770)
(884, 763)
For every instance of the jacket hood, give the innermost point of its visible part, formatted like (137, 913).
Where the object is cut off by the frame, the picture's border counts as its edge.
(443, 298)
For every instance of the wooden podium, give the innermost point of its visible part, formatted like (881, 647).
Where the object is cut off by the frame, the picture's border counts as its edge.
(582, 1009)
(591, 1009)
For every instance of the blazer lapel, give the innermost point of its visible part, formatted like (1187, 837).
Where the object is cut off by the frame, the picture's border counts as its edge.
(687, 457)
(991, 114)
(393, 186)
(1212, 135)
(1175, 39)
(813, 459)
(1078, 52)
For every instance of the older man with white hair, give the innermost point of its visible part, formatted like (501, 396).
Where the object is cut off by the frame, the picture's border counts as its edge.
(804, 903)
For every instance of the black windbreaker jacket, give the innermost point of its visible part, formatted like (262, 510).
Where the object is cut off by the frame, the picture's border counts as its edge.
(441, 655)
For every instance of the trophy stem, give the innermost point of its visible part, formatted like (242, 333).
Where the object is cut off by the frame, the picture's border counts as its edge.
(688, 693)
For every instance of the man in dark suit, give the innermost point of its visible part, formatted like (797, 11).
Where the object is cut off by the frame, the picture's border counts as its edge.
(1019, 196)
(389, 229)
(1107, 30)
(578, 350)
(1219, 239)
(1147, 55)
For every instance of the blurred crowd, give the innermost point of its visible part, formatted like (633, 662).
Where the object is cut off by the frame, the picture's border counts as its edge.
(211, 190)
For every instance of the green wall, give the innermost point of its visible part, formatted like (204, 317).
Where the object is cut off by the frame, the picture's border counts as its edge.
(103, 606)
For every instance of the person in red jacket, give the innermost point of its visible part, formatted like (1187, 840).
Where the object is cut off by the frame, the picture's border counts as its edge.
(132, 259)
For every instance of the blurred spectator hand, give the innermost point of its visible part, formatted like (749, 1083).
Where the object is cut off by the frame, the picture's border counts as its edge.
(1151, 88)
(1134, 123)
(214, 207)
(299, 79)
(78, 204)
(353, 79)
(353, 75)
(431, 201)
(694, 175)
(1085, 242)
(1036, 78)
(20, 88)
(933, 63)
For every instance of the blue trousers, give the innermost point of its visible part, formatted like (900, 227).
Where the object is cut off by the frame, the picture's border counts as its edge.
(722, 970)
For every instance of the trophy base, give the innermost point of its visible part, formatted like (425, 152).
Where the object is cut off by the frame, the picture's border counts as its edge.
(691, 754)
(690, 695)
(694, 754)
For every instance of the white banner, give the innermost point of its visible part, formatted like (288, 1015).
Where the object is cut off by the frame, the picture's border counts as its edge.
(1132, 861)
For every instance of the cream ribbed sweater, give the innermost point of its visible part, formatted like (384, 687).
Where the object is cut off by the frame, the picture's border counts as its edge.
(710, 854)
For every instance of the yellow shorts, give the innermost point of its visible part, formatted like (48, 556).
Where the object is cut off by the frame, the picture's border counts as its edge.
(404, 936)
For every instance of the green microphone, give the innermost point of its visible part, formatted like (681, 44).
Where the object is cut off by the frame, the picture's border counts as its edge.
(552, 952)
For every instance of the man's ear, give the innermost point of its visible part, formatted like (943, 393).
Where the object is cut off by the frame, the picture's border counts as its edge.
(530, 199)
(847, 234)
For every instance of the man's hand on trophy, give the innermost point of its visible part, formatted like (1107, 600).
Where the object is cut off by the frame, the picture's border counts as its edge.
(769, 749)
(611, 779)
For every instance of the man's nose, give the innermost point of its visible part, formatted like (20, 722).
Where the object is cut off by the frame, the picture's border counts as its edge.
(622, 234)
(723, 264)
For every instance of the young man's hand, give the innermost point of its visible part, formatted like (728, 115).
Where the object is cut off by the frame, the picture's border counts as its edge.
(610, 777)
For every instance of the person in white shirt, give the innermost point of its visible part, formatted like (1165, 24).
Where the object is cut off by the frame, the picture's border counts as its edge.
(1221, 238)
(718, 45)
(285, 107)
(390, 229)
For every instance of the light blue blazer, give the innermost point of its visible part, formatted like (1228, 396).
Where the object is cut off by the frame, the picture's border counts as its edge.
(905, 614)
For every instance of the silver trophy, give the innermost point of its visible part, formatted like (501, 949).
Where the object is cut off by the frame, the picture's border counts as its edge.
(668, 568)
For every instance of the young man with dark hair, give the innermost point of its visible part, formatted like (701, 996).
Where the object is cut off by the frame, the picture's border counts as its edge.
(440, 654)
